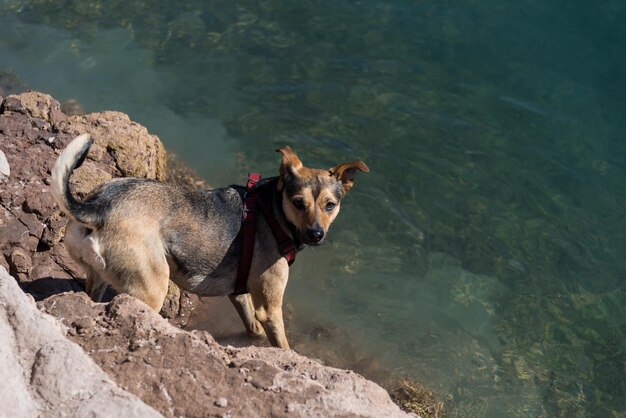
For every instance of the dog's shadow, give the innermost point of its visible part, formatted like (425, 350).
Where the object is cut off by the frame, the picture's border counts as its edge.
(45, 287)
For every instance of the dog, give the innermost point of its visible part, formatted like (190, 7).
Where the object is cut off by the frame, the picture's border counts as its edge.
(134, 234)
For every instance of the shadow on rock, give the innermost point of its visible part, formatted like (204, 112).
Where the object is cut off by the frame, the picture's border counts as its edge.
(45, 287)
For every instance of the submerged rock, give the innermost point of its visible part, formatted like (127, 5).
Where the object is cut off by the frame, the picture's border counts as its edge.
(72, 107)
(9, 83)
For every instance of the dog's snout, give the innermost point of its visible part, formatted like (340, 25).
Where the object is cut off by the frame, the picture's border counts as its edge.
(316, 234)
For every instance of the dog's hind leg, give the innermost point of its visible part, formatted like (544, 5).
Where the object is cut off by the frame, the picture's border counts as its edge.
(245, 309)
(82, 244)
(136, 264)
(95, 287)
(149, 284)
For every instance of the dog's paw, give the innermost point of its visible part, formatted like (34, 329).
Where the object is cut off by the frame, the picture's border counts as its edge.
(257, 331)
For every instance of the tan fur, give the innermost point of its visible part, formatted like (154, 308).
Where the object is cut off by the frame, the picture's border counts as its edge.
(138, 241)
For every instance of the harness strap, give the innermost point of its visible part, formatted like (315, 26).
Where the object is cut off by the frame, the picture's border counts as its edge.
(250, 222)
(253, 203)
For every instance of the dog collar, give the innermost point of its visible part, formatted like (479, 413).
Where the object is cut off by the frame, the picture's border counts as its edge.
(255, 201)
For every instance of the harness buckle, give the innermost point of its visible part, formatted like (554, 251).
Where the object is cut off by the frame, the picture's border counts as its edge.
(253, 179)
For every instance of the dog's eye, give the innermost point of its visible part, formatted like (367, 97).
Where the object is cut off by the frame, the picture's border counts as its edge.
(298, 203)
(330, 206)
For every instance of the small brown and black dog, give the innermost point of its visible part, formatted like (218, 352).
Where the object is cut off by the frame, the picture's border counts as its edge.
(135, 234)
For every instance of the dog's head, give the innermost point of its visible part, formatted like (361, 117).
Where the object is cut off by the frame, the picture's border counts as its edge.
(312, 197)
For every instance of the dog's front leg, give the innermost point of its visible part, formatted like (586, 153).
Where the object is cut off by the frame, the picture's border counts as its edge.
(245, 309)
(267, 296)
(272, 320)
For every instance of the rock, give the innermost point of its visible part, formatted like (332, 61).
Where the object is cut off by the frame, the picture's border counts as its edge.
(180, 173)
(178, 305)
(45, 374)
(5, 170)
(33, 130)
(118, 141)
(11, 229)
(20, 261)
(71, 107)
(221, 402)
(38, 106)
(190, 374)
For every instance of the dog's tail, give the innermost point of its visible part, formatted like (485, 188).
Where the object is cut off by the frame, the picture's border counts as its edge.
(70, 159)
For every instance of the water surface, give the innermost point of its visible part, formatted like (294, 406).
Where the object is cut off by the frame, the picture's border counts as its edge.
(483, 255)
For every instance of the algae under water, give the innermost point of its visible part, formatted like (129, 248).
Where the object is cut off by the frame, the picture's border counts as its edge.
(483, 255)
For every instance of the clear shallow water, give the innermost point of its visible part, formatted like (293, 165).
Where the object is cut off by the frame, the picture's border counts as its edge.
(483, 254)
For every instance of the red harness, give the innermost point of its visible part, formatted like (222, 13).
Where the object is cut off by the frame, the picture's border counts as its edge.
(254, 201)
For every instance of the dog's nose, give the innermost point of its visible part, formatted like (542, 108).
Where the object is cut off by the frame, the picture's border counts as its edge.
(315, 234)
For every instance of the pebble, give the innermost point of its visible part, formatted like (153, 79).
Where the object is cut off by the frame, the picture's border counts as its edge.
(221, 402)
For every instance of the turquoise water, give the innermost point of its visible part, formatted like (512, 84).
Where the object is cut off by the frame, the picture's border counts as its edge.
(483, 255)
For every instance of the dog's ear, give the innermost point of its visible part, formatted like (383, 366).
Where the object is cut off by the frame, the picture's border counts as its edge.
(345, 173)
(290, 164)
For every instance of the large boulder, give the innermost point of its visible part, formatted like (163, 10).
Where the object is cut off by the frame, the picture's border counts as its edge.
(45, 374)
(183, 373)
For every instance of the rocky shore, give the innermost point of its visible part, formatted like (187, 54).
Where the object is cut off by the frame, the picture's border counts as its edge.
(68, 356)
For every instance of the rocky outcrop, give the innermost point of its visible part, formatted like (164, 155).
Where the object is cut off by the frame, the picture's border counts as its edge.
(33, 131)
(189, 374)
(45, 374)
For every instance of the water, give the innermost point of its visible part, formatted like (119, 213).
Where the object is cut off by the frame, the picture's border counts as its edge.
(483, 255)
